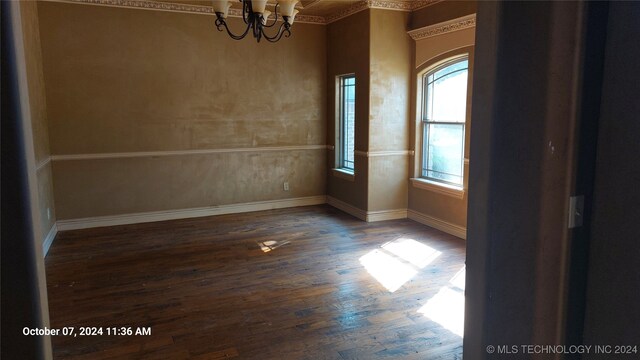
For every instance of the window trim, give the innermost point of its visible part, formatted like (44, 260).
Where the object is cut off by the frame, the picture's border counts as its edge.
(340, 169)
(438, 187)
(420, 181)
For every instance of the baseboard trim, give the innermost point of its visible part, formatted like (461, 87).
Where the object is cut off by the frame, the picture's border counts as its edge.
(449, 228)
(348, 208)
(383, 215)
(48, 240)
(135, 218)
(368, 216)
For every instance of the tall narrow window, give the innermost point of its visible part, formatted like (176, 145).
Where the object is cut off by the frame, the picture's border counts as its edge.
(346, 121)
(444, 108)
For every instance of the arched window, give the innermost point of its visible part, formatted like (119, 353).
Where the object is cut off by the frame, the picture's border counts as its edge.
(444, 108)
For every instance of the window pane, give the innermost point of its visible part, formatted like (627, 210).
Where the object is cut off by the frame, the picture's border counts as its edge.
(446, 93)
(347, 122)
(443, 156)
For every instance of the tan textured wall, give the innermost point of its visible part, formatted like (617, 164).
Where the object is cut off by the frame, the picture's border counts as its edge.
(427, 52)
(123, 80)
(442, 11)
(430, 48)
(390, 74)
(348, 52)
(178, 182)
(38, 107)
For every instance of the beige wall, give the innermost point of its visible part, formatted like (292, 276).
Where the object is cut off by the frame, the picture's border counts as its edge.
(390, 77)
(38, 108)
(442, 11)
(123, 80)
(427, 52)
(348, 52)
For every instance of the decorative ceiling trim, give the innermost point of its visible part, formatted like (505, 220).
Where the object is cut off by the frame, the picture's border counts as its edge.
(460, 23)
(398, 5)
(421, 4)
(355, 8)
(178, 7)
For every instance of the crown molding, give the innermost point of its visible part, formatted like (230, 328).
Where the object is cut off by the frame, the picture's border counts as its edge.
(355, 8)
(460, 23)
(178, 7)
(397, 5)
(400, 5)
(421, 4)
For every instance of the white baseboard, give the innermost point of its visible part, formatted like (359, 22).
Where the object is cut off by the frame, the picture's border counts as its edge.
(135, 218)
(368, 216)
(449, 228)
(348, 208)
(48, 240)
(386, 215)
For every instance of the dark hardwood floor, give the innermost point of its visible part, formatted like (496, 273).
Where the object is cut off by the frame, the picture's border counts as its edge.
(339, 289)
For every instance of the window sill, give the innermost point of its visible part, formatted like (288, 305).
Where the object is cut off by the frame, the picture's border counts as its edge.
(440, 188)
(343, 174)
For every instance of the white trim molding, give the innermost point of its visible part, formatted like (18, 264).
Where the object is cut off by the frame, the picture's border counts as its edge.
(438, 187)
(460, 23)
(348, 208)
(368, 216)
(382, 215)
(48, 240)
(383, 153)
(152, 216)
(183, 152)
(43, 163)
(343, 174)
(449, 228)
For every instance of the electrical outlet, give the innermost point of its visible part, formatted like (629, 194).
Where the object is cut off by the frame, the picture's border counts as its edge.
(286, 186)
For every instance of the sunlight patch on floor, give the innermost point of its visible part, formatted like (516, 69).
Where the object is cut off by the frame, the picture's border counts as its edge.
(458, 279)
(396, 262)
(412, 251)
(447, 309)
(270, 245)
(389, 271)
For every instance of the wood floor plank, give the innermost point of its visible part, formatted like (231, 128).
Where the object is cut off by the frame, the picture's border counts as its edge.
(207, 290)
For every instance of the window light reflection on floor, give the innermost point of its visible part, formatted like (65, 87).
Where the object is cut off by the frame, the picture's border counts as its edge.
(389, 271)
(447, 309)
(458, 279)
(396, 262)
(412, 251)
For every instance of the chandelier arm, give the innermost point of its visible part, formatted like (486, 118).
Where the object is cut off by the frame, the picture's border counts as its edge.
(257, 29)
(286, 32)
(221, 22)
(275, 20)
(245, 11)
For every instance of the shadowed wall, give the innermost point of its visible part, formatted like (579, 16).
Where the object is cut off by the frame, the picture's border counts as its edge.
(38, 106)
(348, 53)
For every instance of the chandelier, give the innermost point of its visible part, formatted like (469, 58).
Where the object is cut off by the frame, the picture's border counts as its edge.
(255, 15)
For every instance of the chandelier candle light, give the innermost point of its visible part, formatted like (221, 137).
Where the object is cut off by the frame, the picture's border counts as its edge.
(255, 15)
